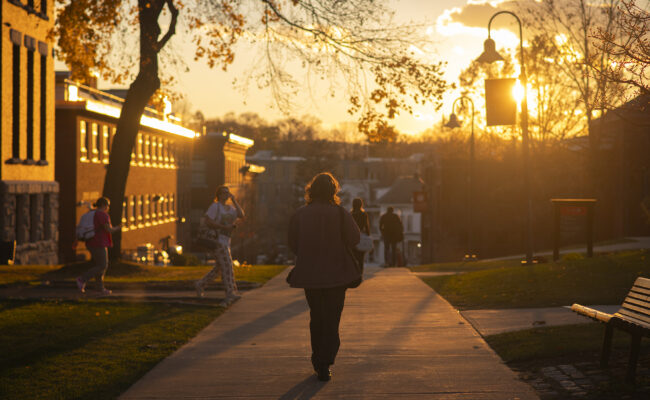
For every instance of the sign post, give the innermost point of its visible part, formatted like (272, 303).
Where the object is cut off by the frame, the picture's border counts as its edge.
(573, 208)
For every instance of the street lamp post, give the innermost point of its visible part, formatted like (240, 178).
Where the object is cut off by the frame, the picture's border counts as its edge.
(453, 123)
(490, 55)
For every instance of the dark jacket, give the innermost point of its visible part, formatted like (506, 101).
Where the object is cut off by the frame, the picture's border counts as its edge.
(361, 218)
(391, 228)
(315, 238)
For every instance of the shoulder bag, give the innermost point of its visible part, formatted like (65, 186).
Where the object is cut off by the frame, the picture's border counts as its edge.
(355, 283)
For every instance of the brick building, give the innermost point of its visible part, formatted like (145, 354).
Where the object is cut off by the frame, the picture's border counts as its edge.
(157, 201)
(219, 158)
(28, 190)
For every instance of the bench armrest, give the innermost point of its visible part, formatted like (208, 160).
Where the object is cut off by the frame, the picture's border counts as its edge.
(591, 313)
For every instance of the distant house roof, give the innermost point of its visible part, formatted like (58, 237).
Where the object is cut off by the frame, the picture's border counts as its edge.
(401, 191)
(636, 111)
(267, 155)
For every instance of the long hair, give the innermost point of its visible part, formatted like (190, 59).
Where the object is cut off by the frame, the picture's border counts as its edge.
(323, 187)
(357, 204)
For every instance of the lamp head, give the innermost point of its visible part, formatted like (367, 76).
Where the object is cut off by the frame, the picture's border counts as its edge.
(453, 122)
(489, 54)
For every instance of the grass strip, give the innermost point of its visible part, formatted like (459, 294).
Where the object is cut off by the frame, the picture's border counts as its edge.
(604, 279)
(128, 272)
(555, 341)
(88, 349)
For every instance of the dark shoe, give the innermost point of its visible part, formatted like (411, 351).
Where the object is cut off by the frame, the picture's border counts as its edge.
(324, 374)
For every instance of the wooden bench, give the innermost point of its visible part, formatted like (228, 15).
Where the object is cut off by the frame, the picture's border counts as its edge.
(633, 317)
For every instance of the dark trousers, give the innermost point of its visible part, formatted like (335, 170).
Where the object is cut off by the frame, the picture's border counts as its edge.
(325, 306)
(390, 253)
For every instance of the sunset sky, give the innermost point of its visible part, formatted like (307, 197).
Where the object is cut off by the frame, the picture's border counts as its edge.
(456, 29)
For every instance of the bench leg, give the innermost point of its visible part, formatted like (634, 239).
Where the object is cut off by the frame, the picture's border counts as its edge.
(607, 346)
(634, 358)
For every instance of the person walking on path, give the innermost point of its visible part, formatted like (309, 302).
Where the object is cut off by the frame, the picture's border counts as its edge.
(98, 246)
(320, 235)
(222, 218)
(392, 231)
(363, 223)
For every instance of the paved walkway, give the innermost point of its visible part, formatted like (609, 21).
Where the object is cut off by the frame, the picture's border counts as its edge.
(400, 340)
(491, 322)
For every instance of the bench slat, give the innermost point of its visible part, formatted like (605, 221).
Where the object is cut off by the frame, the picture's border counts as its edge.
(642, 282)
(639, 297)
(630, 311)
(638, 303)
(630, 319)
(639, 289)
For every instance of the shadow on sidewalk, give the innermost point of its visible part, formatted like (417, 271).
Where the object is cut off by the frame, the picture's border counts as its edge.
(304, 390)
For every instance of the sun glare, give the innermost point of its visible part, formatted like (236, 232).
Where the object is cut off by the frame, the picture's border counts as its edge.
(518, 92)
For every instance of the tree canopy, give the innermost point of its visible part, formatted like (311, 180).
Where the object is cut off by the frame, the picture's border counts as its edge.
(355, 42)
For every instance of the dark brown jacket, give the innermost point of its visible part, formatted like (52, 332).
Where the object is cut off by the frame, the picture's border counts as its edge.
(315, 238)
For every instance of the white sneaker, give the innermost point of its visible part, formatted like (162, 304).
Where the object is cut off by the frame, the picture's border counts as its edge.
(81, 285)
(199, 289)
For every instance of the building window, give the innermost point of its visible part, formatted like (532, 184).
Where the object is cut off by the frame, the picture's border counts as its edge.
(94, 142)
(154, 151)
(83, 140)
(15, 144)
(159, 151)
(106, 147)
(43, 104)
(30, 104)
(140, 144)
(140, 211)
(165, 208)
(147, 150)
(166, 153)
(125, 217)
(132, 215)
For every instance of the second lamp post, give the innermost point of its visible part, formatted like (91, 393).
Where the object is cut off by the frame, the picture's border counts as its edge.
(453, 123)
(490, 55)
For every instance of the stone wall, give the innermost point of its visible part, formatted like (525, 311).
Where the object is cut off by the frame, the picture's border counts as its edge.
(30, 217)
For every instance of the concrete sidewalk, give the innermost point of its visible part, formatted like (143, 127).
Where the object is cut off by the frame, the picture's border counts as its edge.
(399, 340)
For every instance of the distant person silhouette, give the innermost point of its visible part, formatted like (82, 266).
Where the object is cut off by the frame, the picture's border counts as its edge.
(319, 233)
(361, 218)
(392, 231)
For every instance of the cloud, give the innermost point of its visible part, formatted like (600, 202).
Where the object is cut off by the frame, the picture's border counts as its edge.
(476, 14)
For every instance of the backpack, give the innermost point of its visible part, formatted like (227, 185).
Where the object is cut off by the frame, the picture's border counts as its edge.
(86, 226)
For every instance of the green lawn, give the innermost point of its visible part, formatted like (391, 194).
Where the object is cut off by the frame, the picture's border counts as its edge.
(604, 279)
(556, 341)
(462, 266)
(128, 272)
(88, 349)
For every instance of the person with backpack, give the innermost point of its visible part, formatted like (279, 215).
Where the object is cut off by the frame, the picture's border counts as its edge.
(321, 235)
(97, 243)
(392, 230)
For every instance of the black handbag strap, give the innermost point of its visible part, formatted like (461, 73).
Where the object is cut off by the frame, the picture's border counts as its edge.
(345, 246)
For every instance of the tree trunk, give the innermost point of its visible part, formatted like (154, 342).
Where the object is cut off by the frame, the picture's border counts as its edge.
(137, 97)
